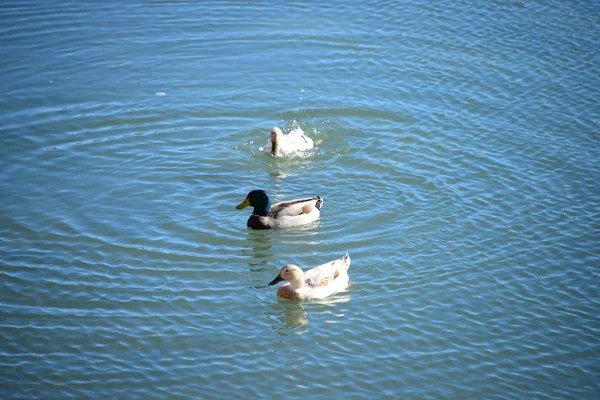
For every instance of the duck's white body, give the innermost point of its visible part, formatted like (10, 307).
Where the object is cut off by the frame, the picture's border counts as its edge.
(316, 283)
(291, 213)
(286, 145)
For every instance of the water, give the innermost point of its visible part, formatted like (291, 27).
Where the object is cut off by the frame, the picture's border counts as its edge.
(460, 170)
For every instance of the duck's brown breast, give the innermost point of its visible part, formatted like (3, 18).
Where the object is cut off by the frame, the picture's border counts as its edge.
(258, 222)
(286, 293)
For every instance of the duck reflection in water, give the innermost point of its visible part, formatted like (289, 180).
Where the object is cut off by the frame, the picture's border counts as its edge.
(295, 314)
(258, 250)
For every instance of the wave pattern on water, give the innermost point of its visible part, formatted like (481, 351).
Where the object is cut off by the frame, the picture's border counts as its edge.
(459, 168)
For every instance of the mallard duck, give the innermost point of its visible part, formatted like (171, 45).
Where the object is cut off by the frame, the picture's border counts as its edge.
(283, 145)
(316, 283)
(281, 215)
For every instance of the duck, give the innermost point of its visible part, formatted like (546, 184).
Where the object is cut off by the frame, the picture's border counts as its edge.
(290, 144)
(317, 283)
(285, 214)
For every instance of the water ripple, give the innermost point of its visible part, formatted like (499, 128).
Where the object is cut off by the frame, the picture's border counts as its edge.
(459, 168)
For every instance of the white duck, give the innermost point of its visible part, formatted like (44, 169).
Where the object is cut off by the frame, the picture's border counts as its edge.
(316, 283)
(285, 145)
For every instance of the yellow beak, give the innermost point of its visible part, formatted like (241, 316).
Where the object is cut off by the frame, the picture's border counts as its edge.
(243, 204)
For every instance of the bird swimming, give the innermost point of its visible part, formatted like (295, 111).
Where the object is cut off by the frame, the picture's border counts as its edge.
(317, 283)
(290, 144)
(284, 214)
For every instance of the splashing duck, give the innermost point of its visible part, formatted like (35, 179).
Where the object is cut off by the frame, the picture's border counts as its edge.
(290, 144)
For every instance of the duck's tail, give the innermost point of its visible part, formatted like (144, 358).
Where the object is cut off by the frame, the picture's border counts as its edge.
(346, 261)
(319, 202)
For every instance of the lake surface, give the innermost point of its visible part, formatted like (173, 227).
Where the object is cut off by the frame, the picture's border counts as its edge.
(460, 168)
